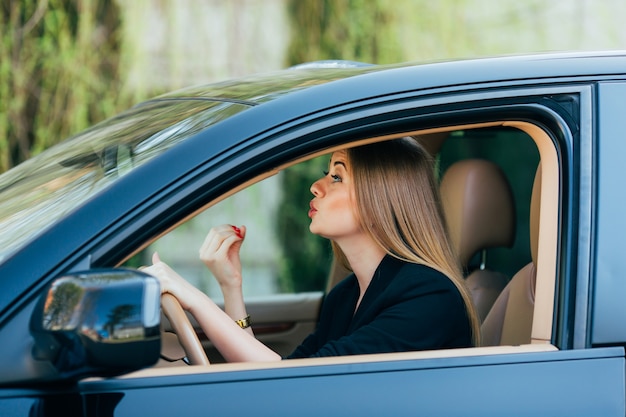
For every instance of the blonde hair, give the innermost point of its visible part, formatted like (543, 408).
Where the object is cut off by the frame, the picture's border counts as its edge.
(398, 205)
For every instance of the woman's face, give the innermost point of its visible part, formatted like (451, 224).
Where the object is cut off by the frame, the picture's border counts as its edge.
(333, 213)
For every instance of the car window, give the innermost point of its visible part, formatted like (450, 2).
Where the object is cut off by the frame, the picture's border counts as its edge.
(279, 254)
(514, 152)
(274, 210)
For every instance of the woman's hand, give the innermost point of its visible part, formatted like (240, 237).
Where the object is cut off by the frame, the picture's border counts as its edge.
(220, 253)
(171, 282)
(235, 344)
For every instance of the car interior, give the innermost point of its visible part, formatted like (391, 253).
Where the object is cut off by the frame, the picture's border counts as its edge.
(499, 186)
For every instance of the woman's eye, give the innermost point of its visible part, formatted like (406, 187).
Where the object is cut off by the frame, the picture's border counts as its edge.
(335, 178)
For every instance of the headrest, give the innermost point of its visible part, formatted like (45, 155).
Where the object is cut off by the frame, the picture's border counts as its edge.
(478, 205)
(535, 205)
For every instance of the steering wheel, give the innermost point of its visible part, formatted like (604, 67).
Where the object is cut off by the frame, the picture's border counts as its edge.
(184, 330)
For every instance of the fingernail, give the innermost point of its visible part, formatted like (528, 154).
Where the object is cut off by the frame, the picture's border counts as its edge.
(237, 232)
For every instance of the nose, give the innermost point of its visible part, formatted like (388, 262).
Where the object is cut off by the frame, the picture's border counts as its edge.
(316, 188)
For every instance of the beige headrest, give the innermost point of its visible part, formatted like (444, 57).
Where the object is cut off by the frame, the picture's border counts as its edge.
(478, 205)
(535, 200)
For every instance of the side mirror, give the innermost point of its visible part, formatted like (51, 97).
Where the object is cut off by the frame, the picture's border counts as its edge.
(98, 323)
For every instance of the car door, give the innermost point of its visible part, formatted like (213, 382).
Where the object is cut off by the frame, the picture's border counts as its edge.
(541, 376)
(516, 383)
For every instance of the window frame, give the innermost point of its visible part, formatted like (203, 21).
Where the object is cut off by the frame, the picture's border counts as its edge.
(547, 127)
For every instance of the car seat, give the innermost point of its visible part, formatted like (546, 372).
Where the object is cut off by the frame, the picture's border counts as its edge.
(510, 320)
(480, 213)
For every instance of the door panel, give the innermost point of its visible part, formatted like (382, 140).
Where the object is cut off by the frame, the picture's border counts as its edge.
(283, 321)
(580, 382)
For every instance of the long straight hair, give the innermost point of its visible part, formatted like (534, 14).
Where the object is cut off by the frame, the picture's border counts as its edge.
(398, 206)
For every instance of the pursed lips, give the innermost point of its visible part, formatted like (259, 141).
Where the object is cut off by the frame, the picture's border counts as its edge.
(312, 209)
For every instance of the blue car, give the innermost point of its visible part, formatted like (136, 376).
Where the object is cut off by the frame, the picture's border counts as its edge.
(529, 158)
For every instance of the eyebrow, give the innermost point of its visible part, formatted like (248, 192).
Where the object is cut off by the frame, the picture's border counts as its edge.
(340, 161)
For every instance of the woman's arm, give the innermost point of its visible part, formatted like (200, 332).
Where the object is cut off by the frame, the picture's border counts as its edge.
(235, 344)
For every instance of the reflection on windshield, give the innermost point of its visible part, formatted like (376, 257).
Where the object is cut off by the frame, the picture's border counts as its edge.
(43, 189)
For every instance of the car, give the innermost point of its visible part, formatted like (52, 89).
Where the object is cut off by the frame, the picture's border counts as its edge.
(529, 152)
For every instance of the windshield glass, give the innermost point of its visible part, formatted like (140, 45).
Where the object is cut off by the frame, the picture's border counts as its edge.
(43, 189)
(36, 193)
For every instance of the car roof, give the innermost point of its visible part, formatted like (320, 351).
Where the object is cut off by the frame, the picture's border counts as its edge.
(409, 76)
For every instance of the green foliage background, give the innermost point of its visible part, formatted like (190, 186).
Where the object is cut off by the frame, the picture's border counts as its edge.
(306, 257)
(59, 66)
(358, 30)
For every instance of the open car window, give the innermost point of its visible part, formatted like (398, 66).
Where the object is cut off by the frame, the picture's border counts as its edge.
(285, 302)
(285, 267)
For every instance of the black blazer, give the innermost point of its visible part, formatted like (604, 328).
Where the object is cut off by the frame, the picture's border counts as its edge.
(406, 307)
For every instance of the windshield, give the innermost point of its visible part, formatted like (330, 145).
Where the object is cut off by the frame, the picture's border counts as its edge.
(38, 192)
(41, 190)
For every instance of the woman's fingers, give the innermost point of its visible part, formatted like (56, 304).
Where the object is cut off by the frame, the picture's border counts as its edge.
(211, 244)
(240, 232)
(219, 241)
(169, 279)
(161, 270)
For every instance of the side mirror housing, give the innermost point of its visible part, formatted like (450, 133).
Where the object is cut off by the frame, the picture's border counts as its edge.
(98, 323)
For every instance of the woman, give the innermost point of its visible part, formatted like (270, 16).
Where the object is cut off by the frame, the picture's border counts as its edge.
(378, 205)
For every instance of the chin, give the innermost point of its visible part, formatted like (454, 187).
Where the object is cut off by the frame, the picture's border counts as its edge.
(316, 231)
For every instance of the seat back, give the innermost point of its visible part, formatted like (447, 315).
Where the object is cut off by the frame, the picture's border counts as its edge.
(510, 320)
(480, 213)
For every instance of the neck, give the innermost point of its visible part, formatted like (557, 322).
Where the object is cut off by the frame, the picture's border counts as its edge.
(364, 259)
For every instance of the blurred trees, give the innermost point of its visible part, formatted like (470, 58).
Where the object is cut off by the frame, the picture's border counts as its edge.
(58, 71)
(357, 30)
